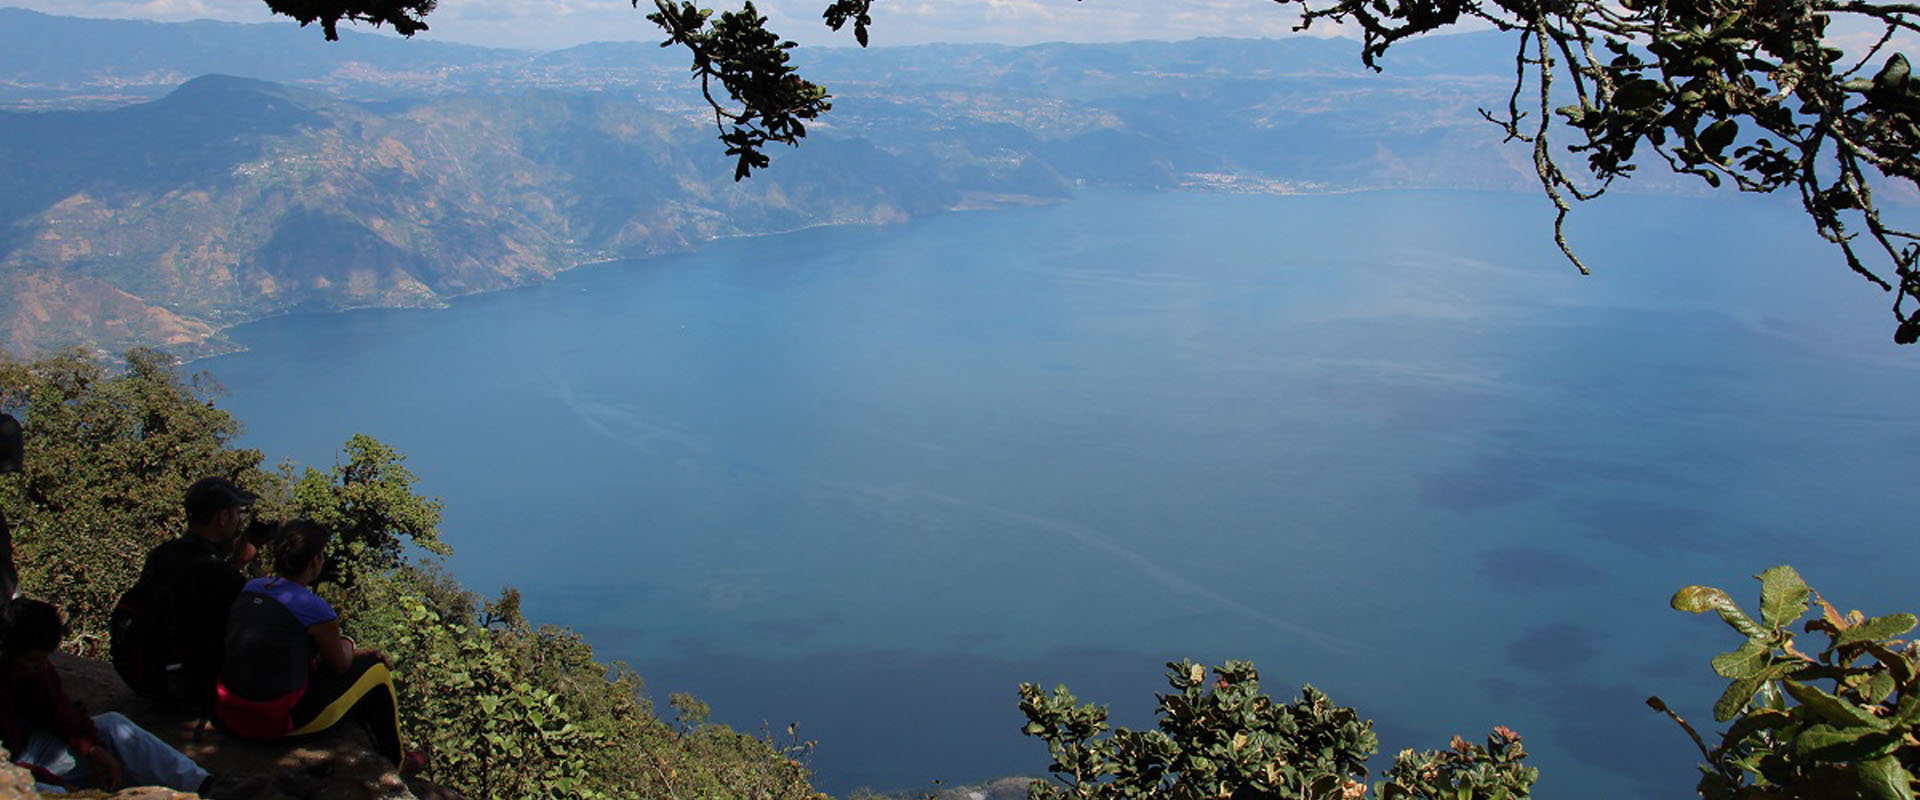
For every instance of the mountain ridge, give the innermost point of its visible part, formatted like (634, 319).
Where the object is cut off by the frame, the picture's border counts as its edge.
(396, 177)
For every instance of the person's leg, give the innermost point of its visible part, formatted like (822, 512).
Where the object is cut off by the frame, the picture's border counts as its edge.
(145, 760)
(47, 753)
(379, 711)
(365, 692)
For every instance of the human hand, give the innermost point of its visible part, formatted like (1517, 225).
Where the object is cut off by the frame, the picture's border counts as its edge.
(107, 767)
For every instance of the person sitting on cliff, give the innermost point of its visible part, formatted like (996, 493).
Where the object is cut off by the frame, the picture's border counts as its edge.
(50, 735)
(167, 631)
(288, 672)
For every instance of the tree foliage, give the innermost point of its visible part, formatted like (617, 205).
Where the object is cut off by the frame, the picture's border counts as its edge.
(507, 709)
(1748, 92)
(407, 17)
(109, 455)
(367, 500)
(1837, 722)
(1225, 738)
(750, 62)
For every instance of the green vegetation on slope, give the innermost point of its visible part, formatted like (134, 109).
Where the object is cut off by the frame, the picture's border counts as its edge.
(506, 710)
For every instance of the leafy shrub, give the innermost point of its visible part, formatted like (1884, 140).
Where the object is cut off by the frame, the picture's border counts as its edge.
(1492, 772)
(109, 456)
(367, 500)
(1837, 722)
(1226, 739)
(505, 709)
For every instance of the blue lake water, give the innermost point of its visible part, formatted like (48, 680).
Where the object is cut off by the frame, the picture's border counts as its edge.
(869, 479)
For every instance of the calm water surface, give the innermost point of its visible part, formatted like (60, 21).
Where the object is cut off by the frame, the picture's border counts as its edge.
(869, 479)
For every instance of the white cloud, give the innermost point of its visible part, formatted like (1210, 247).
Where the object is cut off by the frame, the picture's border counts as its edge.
(164, 10)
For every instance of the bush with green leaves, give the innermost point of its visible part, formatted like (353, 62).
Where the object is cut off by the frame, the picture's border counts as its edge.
(1227, 739)
(367, 500)
(474, 708)
(1463, 770)
(1834, 722)
(506, 709)
(109, 455)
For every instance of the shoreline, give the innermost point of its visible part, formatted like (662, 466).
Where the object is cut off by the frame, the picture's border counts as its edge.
(444, 301)
(1199, 183)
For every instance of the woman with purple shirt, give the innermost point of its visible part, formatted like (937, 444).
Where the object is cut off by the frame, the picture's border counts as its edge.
(288, 671)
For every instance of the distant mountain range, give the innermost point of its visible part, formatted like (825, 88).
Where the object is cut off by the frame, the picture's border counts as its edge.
(152, 198)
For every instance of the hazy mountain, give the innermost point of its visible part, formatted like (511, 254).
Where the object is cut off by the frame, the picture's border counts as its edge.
(233, 198)
(377, 171)
(66, 62)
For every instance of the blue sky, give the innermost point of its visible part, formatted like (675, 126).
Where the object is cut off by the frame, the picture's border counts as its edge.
(549, 24)
(554, 24)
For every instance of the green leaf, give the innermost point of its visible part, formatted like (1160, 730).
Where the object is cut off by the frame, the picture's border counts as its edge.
(1745, 662)
(1878, 688)
(1829, 743)
(1783, 595)
(1877, 629)
(1884, 779)
(1894, 76)
(1897, 664)
(1754, 723)
(1714, 141)
(1638, 93)
(1906, 713)
(1734, 699)
(1833, 709)
(1698, 599)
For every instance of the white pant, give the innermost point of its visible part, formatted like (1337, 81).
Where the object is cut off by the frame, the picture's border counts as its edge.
(144, 759)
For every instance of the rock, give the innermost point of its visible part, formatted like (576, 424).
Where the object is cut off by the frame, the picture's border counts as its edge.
(15, 782)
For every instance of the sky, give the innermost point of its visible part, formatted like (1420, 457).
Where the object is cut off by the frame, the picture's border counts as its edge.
(554, 24)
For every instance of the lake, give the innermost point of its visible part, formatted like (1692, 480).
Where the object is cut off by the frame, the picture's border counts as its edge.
(868, 479)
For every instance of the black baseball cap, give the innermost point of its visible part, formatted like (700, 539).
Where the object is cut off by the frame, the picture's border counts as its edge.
(212, 495)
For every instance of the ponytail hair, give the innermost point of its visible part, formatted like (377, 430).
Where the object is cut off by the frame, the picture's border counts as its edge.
(297, 544)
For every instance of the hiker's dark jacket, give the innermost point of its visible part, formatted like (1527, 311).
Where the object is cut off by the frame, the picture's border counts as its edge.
(190, 585)
(39, 703)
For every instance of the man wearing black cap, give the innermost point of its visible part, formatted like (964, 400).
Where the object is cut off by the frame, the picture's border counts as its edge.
(168, 630)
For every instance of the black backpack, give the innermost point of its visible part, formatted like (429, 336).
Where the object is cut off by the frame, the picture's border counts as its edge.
(166, 633)
(139, 634)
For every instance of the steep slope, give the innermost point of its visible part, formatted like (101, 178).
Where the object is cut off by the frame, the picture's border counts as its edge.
(233, 198)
